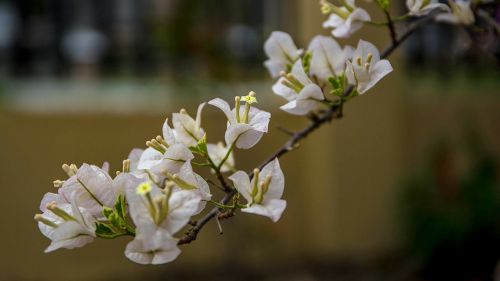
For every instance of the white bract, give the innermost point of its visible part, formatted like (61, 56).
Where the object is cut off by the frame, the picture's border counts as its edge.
(461, 13)
(328, 58)
(246, 128)
(186, 129)
(167, 159)
(366, 68)
(302, 94)
(263, 193)
(217, 152)
(67, 225)
(90, 187)
(282, 52)
(423, 7)
(188, 180)
(158, 214)
(344, 20)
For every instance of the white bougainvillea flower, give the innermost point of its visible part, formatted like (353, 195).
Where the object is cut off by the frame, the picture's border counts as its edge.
(159, 248)
(344, 20)
(91, 188)
(302, 94)
(170, 159)
(461, 13)
(186, 129)
(218, 152)
(158, 214)
(366, 68)
(420, 8)
(281, 51)
(67, 225)
(263, 193)
(246, 128)
(328, 59)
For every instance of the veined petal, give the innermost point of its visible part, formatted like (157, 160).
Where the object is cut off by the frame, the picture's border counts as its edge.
(164, 249)
(149, 158)
(183, 204)
(277, 184)
(284, 91)
(273, 210)
(241, 182)
(71, 243)
(275, 67)
(364, 49)
(134, 156)
(168, 133)
(327, 57)
(280, 47)
(300, 107)
(311, 91)
(377, 72)
(186, 129)
(299, 73)
(259, 119)
(50, 197)
(333, 21)
(224, 106)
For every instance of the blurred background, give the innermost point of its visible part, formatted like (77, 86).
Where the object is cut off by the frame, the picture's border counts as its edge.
(405, 187)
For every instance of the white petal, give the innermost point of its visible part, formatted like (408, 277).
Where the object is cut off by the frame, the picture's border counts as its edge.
(377, 72)
(299, 73)
(168, 133)
(50, 197)
(98, 182)
(149, 158)
(275, 67)
(134, 156)
(124, 181)
(300, 107)
(163, 249)
(277, 184)
(248, 139)
(327, 57)
(72, 243)
(186, 129)
(280, 47)
(333, 21)
(311, 91)
(183, 204)
(273, 210)
(284, 91)
(364, 49)
(259, 119)
(224, 106)
(241, 182)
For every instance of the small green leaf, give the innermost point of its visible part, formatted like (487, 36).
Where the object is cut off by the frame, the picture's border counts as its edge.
(107, 211)
(104, 231)
(120, 208)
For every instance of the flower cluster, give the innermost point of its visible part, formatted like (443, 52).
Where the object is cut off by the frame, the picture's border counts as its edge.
(158, 191)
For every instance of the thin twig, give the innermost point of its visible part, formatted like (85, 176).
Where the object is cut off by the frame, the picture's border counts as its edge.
(390, 25)
(332, 113)
(285, 130)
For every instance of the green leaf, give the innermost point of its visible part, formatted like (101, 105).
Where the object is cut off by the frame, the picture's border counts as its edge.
(202, 145)
(104, 231)
(107, 211)
(120, 207)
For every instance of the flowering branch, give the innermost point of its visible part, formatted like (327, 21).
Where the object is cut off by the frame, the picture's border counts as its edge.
(332, 113)
(157, 192)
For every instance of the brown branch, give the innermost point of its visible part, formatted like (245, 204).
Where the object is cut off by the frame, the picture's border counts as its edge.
(332, 113)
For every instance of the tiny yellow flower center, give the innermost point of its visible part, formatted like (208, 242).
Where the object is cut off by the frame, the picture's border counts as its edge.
(144, 188)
